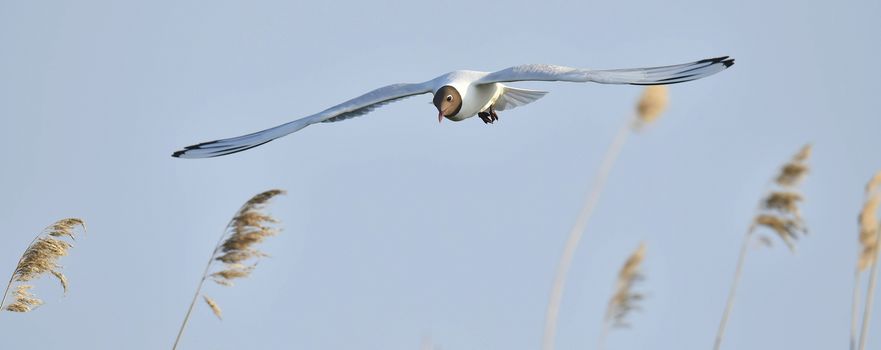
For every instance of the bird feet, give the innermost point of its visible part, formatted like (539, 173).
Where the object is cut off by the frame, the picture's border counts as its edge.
(489, 116)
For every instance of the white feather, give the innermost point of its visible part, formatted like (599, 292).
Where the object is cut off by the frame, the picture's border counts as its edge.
(514, 97)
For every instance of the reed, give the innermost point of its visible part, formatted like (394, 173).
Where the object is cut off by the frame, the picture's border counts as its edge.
(650, 106)
(869, 236)
(234, 256)
(40, 259)
(624, 299)
(778, 212)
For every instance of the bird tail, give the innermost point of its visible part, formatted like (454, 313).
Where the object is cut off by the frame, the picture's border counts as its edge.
(237, 144)
(679, 73)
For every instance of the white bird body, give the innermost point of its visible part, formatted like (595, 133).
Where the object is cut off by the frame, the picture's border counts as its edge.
(475, 98)
(462, 94)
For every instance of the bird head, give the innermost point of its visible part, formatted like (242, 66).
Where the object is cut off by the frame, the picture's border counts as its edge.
(448, 102)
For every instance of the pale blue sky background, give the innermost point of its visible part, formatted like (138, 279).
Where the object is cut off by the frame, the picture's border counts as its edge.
(397, 227)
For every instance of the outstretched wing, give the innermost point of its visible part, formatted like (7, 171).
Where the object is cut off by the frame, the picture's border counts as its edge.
(636, 76)
(514, 97)
(352, 108)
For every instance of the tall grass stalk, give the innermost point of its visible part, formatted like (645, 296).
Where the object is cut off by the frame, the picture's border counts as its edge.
(778, 211)
(624, 299)
(248, 227)
(870, 296)
(41, 258)
(869, 238)
(738, 271)
(650, 106)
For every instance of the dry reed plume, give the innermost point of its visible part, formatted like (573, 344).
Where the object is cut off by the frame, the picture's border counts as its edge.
(779, 213)
(41, 258)
(868, 220)
(869, 236)
(625, 299)
(649, 107)
(235, 249)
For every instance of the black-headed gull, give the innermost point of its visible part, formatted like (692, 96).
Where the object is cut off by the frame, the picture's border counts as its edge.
(463, 94)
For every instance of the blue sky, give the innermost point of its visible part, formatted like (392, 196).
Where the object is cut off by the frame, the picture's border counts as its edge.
(398, 228)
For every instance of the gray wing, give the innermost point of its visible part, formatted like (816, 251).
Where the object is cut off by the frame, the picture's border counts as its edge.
(352, 108)
(636, 76)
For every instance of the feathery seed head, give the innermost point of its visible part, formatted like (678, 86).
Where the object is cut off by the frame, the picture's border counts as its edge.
(66, 227)
(787, 229)
(237, 256)
(233, 271)
(779, 209)
(625, 299)
(247, 228)
(869, 224)
(41, 258)
(24, 300)
(783, 202)
(794, 171)
(214, 307)
(651, 104)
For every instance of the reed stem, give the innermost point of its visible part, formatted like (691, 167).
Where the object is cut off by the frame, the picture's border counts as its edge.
(870, 296)
(720, 334)
(183, 326)
(575, 234)
(854, 309)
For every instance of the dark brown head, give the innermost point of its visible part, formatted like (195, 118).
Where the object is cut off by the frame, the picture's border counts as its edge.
(448, 102)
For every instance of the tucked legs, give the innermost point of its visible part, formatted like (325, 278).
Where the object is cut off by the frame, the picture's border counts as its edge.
(489, 116)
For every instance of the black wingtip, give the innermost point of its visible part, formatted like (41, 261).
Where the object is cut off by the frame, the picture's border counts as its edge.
(725, 60)
(728, 62)
(178, 154)
(713, 60)
(199, 151)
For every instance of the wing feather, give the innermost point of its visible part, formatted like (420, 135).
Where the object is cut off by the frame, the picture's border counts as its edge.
(515, 97)
(635, 76)
(350, 109)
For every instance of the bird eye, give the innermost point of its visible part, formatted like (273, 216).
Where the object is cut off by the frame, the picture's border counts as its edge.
(449, 98)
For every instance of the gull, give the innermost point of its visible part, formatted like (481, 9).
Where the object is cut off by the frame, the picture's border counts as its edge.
(462, 94)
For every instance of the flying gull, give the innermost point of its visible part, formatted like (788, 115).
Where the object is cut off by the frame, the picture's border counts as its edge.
(462, 94)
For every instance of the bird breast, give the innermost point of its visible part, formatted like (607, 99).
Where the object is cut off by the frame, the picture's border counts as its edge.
(477, 98)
